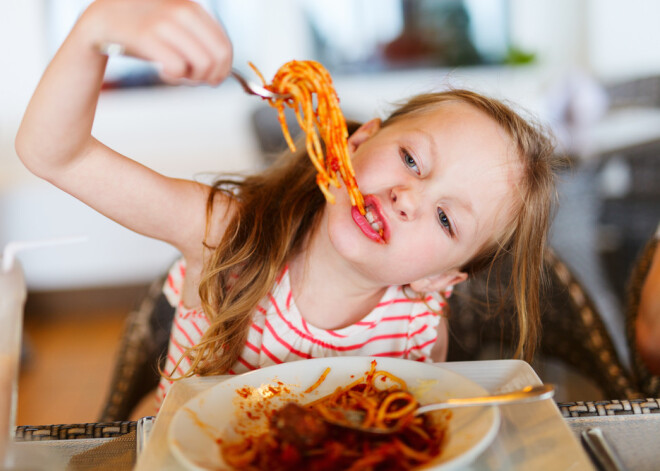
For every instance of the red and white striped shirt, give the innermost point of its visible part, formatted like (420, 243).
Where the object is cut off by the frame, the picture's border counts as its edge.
(397, 327)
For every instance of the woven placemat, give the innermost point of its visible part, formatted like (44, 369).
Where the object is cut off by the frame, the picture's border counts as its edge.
(117, 454)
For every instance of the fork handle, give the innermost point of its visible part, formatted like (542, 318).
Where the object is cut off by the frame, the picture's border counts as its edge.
(528, 394)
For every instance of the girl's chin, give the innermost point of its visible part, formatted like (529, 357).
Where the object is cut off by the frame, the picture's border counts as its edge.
(351, 243)
(345, 234)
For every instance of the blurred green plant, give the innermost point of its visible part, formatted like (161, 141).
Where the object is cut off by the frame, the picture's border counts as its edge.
(516, 56)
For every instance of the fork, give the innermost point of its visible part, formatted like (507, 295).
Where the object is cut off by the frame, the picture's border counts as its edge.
(353, 419)
(254, 89)
(115, 49)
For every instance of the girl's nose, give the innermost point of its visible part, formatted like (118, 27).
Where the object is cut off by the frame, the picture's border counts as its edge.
(404, 202)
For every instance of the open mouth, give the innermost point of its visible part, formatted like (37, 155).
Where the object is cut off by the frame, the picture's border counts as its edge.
(373, 220)
(373, 223)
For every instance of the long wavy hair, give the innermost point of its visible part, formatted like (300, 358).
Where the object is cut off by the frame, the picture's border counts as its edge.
(275, 211)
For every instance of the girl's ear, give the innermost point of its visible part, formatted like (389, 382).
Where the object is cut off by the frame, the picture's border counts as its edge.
(439, 283)
(363, 133)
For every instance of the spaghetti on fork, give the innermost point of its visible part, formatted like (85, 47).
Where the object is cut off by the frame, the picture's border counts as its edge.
(308, 90)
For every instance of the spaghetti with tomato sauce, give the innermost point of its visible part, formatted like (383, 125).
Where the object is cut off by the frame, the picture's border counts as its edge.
(307, 88)
(308, 437)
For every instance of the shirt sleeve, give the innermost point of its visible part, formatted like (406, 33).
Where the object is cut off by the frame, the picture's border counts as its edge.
(173, 285)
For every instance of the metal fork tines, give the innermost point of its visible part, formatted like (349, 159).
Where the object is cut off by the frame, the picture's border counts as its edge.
(254, 89)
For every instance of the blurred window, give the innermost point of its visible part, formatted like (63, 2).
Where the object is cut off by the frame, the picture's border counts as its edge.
(367, 35)
(347, 36)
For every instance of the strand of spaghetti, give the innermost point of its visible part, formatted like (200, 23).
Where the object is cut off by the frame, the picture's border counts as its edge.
(419, 431)
(258, 72)
(396, 379)
(318, 381)
(324, 189)
(369, 405)
(420, 456)
(241, 454)
(369, 380)
(314, 148)
(326, 413)
(313, 145)
(285, 127)
(332, 396)
(383, 412)
(366, 462)
(326, 399)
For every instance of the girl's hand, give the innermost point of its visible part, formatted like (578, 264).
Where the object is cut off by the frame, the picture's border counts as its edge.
(179, 35)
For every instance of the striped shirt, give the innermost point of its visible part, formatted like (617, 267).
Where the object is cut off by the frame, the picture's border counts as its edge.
(397, 327)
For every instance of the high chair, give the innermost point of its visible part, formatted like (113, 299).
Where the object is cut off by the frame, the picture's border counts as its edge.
(572, 332)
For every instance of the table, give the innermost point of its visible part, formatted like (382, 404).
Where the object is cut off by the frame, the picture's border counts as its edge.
(629, 425)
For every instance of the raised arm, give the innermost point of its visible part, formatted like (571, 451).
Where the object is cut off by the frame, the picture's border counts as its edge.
(55, 142)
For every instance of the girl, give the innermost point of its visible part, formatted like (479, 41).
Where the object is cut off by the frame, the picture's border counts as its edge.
(269, 271)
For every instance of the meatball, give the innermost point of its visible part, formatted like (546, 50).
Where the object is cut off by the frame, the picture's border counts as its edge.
(303, 428)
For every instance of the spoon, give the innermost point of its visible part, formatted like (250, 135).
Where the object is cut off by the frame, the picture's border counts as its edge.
(355, 418)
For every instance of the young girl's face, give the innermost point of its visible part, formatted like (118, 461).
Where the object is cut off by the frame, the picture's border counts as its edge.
(438, 186)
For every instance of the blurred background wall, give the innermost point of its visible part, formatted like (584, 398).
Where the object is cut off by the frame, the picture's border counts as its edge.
(590, 69)
(556, 58)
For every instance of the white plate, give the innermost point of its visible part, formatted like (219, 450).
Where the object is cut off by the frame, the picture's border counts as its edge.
(215, 413)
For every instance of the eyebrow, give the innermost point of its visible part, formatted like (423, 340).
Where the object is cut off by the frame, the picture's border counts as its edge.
(465, 205)
(430, 140)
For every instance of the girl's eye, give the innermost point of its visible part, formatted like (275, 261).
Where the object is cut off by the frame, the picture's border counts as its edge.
(444, 221)
(409, 161)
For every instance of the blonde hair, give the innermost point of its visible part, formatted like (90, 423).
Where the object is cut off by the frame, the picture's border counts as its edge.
(523, 241)
(276, 209)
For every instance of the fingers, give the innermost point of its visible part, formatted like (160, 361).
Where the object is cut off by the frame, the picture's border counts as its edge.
(179, 35)
(214, 40)
(192, 57)
(200, 42)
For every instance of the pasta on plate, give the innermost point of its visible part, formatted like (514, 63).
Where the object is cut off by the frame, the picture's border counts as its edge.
(308, 437)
